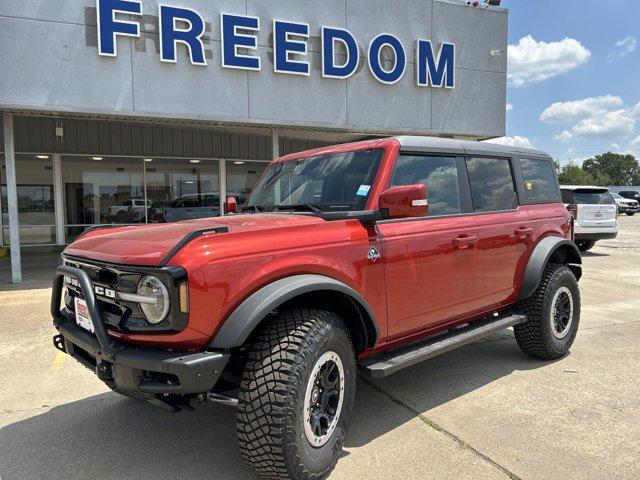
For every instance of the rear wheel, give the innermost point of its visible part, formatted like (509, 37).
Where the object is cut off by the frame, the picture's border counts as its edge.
(553, 315)
(296, 395)
(585, 245)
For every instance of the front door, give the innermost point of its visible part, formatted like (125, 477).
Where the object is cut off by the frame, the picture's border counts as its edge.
(432, 264)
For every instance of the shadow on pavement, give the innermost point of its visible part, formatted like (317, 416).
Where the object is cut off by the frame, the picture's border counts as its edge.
(439, 380)
(107, 436)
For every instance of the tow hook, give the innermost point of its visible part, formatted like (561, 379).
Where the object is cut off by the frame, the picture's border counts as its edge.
(104, 372)
(58, 342)
(220, 398)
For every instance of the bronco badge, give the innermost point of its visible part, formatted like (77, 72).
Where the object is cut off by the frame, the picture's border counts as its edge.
(373, 254)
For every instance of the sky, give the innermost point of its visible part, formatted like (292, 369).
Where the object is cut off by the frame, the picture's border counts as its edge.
(573, 87)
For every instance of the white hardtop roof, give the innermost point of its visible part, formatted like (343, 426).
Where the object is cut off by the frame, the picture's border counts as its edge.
(448, 145)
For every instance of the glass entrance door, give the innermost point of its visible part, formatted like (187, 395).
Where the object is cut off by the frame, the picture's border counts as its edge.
(102, 190)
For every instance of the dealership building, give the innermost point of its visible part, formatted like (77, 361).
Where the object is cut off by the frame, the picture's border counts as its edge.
(127, 111)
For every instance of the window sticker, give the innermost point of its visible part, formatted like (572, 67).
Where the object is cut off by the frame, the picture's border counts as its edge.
(363, 191)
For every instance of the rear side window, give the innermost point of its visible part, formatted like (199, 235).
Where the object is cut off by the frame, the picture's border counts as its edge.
(439, 174)
(586, 197)
(539, 181)
(492, 187)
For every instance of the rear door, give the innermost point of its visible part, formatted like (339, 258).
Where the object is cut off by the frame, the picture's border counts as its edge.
(596, 208)
(505, 230)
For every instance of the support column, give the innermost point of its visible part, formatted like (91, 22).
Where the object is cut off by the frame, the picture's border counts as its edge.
(222, 169)
(275, 144)
(58, 198)
(12, 198)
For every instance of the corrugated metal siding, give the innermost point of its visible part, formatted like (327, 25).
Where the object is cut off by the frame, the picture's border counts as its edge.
(37, 134)
(292, 145)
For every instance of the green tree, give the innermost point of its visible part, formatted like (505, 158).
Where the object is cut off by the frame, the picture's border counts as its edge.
(617, 168)
(572, 174)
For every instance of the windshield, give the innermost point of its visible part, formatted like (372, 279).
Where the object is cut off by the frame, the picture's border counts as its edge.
(332, 183)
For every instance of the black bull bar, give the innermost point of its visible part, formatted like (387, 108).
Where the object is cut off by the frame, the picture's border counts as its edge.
(132, 368)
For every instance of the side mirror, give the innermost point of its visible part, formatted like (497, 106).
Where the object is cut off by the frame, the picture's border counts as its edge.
(405, 201)
(231, 206)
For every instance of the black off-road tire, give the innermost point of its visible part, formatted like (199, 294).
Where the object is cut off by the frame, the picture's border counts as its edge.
(631, 214)
(585, 245)
(536, 336)
(270, 420)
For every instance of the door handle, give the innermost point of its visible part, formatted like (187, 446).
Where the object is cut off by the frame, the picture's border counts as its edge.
(523, 232)
(465, 242)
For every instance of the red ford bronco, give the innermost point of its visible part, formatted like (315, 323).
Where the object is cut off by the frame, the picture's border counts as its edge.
(339, 261)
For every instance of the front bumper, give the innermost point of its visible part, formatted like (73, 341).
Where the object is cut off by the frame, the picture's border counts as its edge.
(147, 372)
(627, 209)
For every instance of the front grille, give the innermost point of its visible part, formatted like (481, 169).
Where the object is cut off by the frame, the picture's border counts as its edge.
(125, 316)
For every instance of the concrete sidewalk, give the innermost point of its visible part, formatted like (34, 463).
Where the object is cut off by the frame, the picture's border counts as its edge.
(483, 411)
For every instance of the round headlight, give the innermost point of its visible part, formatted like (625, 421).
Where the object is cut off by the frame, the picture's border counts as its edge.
(150, 286)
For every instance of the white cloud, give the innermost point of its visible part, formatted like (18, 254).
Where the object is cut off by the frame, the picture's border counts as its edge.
(626, 46)
(509, 107)
(532, 61)
(515, 141)
(593, 117)
(569, 111)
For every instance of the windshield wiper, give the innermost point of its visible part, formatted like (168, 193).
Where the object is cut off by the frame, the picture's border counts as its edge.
(300, 206)
(255, 208)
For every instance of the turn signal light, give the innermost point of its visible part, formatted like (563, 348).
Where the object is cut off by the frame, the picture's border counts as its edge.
(184, 297)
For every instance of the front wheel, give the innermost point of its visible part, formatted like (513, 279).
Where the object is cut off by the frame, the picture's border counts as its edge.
(553, 315)
(296, 395)
(631, 214)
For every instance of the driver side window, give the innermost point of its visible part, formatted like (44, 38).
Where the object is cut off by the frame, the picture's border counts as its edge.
(439, 174)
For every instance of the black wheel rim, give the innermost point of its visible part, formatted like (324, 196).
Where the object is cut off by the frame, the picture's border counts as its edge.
(562, 312)
(323, 399)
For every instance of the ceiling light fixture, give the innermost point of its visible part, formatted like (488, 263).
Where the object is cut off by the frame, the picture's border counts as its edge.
(194, 161)
(238, 163)
(148, 160)
(97, 159)
(43, 157)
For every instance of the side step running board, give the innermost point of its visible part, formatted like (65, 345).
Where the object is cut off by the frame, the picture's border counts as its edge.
(385, 364)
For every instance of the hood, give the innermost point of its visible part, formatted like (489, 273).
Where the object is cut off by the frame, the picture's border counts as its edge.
(148, 245)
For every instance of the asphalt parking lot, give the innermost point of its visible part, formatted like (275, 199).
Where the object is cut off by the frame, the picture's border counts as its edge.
(483, 411)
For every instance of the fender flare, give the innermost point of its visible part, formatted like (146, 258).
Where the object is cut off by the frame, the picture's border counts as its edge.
(237, 327)
(539, 259)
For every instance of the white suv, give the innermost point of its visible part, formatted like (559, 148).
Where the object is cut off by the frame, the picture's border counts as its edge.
(595, 213)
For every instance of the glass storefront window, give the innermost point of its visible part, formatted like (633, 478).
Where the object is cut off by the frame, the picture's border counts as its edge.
(241, 177)
(36, 210)
(102, 190)
(182, 189)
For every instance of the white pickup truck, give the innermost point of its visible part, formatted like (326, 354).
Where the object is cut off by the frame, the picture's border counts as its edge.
(594, 211)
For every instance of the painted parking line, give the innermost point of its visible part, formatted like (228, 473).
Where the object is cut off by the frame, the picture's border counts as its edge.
(58, 360)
